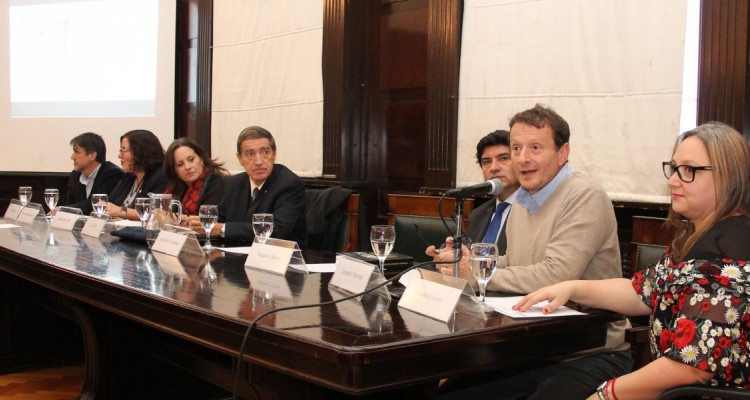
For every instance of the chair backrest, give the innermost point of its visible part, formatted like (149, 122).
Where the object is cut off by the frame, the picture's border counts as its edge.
(417, 221)
(649, 241)
(332, 219)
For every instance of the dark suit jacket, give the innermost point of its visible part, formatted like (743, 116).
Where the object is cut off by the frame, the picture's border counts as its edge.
(211, 193)
(153, 182)
(480, 218)
(106, 179)
(283, 195)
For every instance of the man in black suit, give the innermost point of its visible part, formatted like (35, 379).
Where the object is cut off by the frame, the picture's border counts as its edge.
(264, 187)
(493, 156)
(92, 173)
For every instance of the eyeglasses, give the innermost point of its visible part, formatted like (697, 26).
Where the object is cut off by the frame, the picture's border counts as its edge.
(686, 173)
(124, 150)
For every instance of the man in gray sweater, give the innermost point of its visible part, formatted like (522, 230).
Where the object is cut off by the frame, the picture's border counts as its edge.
(562, 226)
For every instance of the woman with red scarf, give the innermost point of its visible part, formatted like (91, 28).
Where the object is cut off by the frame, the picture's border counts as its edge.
(192, 176)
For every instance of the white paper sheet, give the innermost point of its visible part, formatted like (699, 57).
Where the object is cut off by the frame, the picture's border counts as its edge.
(504, 305)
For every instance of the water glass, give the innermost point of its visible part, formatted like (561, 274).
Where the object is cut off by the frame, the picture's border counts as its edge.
(99, 202)
(262, 226)
(24, 194)
(483, 261)
(382, 238)
(142, 208)
(209, 215)
(51, 197)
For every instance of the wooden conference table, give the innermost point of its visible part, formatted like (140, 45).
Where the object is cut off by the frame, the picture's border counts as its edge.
(155, 327)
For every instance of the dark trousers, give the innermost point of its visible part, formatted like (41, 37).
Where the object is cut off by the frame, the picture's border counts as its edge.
(571, 379)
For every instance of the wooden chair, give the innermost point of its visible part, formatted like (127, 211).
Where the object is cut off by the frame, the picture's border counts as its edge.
(333, 223)
(649, 241)
(418, 223)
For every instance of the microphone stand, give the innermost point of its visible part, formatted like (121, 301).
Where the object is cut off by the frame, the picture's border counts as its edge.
(457, 239)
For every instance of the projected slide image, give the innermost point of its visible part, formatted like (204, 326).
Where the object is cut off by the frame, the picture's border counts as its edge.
(83, 58)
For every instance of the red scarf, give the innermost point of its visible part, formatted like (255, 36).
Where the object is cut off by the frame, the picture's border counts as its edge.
(193, 193)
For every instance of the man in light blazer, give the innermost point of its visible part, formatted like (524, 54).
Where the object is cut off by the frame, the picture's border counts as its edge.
(92, 173)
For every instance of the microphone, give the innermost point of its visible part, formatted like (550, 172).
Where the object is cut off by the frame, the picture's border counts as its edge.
(492, 187)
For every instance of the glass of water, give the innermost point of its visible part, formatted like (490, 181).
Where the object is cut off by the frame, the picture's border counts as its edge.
(99, 202)
(24, 194)
(142, 207)
(209, 215)
(483, 261)
(263, 226)
(51, 197)
(382, 238)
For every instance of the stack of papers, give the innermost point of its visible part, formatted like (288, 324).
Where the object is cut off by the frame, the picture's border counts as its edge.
(504, 305)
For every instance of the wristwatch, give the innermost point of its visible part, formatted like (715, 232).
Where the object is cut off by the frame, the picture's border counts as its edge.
(601, 391)
(123, 211)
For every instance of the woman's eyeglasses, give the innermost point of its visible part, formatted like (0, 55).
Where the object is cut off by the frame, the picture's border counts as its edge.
(686, 173)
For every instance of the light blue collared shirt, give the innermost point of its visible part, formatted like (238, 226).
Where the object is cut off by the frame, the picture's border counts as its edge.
(533, 202)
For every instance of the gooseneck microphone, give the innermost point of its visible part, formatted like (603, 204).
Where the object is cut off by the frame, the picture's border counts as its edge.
(492, 187)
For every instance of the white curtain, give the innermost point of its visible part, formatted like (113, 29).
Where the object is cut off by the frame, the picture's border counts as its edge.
(267, 72)
(612, 69)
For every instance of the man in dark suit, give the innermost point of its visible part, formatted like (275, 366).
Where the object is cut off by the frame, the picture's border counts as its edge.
(92, 173)
(264, 187)
(493, 156)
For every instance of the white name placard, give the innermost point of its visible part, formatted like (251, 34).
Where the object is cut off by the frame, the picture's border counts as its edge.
(169, 243)
(430, 298)
(274, 259)
(12, 212)
(64, 221)
(28, 214)
(93, 227)
(351, 275)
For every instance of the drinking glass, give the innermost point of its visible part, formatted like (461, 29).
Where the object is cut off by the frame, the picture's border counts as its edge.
(382, 238)
(51, 196)
(99, 202)
(24, 194)
(142, 208)
(209, 215)
(262, 226)
(483, 260)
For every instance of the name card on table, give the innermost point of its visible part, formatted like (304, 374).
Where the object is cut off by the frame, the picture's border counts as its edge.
(64, 220)
(94, 227)
(356, 276)
(29, 213)
(437, 296)
(275, 256)
(174, 240)
(13, 210)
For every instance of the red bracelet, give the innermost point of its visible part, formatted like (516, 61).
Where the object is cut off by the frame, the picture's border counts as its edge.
(613, 388)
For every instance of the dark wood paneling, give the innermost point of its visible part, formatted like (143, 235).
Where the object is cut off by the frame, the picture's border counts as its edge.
(193, 68)
(444, 54)
(723, 72)
(10, 181)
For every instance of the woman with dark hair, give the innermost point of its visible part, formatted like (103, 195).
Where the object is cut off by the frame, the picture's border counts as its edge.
(192, 176)
(698, 293)
(141, 157)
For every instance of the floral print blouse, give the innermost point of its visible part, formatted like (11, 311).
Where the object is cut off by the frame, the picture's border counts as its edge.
(700, 315)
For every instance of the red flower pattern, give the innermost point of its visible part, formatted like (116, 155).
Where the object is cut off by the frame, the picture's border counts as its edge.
(695, 305)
